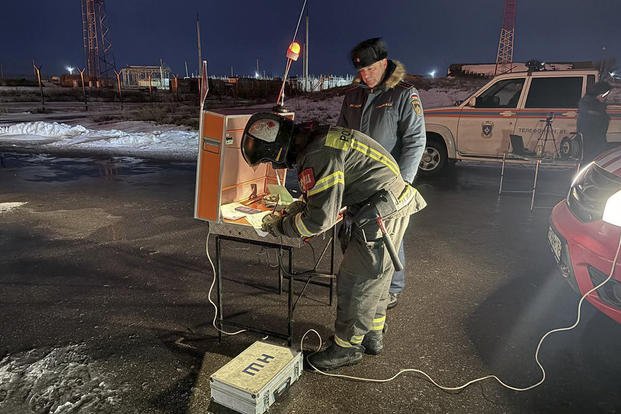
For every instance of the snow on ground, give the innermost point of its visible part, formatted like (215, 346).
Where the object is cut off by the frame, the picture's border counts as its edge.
(8, 206)
(55, 381)
(176, 143)
(142, 139)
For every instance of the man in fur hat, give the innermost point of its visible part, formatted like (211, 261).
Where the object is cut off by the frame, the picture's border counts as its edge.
(389, 110)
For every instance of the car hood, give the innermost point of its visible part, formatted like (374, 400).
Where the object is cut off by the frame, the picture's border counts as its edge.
(610, 161)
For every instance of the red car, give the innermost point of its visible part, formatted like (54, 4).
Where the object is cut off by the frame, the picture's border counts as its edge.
(585, 229)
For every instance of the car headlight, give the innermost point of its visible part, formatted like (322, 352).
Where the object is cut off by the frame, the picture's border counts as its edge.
(612, 210)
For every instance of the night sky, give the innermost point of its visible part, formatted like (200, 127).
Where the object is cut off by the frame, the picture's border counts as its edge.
(424, 35)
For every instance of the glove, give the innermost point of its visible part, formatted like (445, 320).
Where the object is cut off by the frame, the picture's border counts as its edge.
(272, 223)
(295, 207)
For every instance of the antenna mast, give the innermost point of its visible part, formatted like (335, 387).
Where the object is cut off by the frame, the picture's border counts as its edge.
(504, 58)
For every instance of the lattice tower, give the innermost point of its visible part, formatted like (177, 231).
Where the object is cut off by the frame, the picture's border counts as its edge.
(97, 46)
(504, 58)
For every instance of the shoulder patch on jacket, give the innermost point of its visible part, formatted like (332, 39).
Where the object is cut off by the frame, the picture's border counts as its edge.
(416, 104)
(306, 179)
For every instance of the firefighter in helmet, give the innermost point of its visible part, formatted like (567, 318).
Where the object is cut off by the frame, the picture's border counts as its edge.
(339, 167)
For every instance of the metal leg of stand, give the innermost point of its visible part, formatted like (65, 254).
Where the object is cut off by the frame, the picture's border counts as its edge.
(218, 277)
(279, 271)
(290, 297)
(332, 255)
(502, 172)
(532, 199)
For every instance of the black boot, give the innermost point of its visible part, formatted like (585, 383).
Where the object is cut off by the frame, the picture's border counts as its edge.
(373, 342)
(336, 356)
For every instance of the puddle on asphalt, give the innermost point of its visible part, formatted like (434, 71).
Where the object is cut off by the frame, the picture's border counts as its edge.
(50, 168)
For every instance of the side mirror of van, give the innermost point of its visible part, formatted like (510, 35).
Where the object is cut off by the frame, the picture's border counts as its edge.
(458, 102)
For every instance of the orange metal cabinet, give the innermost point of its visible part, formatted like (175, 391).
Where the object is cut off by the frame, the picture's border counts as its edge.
(222, 175)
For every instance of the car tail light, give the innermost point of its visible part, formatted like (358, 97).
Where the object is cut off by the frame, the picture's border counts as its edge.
(590, 191)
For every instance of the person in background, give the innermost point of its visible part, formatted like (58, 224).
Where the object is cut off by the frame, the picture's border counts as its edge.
(389, 110)
(339, 167)
(593, 120)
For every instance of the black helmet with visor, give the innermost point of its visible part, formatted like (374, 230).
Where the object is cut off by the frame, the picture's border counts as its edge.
(267, 138)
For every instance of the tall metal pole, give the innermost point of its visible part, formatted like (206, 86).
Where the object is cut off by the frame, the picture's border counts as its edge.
(83, 88)
(306, 80)
(38, 75)
(198, 39)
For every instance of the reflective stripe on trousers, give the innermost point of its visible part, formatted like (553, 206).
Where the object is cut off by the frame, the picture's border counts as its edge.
(363, 282)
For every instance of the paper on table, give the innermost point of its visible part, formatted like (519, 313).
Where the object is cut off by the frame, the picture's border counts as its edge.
(256, 220)
(284, 196)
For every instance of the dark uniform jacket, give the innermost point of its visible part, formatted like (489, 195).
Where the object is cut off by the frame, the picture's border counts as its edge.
(343, 168)
(593, 124)
(392, 114)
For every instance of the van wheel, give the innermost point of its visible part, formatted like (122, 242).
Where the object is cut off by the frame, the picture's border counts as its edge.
(434, 158)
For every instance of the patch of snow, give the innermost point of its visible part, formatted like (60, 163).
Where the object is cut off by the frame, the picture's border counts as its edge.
(145, 139)
(8, 206)
(58, 380)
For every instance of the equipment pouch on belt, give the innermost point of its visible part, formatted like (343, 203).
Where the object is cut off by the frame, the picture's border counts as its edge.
(382, 203)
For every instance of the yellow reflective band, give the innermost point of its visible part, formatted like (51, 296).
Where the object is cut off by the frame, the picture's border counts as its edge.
(339, 139)
(378, 323)
(405, 197)
(278, 155)
(379, 320)
(341, 343)
(357, 339)
(326, 182)
(375, 155)
(299, 224)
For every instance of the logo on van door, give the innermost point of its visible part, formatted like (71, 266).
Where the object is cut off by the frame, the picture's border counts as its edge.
(487, 128)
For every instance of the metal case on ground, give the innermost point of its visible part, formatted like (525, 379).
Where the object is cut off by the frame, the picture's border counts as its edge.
(253, 381)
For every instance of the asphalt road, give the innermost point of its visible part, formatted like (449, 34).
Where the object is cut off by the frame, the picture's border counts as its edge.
(106, 256)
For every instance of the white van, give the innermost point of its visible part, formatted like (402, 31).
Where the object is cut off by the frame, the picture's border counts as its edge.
(515, 103)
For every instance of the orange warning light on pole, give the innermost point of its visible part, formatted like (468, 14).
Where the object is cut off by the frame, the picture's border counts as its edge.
(293, 52)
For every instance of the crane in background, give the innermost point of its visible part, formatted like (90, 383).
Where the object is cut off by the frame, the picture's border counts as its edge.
(504, 58)
(97, 46)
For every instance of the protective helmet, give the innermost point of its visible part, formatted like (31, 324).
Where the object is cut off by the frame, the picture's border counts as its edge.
(267, 138)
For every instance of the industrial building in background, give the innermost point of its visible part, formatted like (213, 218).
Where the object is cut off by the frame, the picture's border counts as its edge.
(504, 58)
(146, 77)
(97, 47)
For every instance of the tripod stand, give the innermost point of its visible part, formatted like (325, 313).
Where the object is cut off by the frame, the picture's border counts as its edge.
(546, 134)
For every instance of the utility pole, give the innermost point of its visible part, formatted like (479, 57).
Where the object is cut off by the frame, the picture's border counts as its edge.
(38, 76)
(305, 66)
(198, 39)
(83, 88)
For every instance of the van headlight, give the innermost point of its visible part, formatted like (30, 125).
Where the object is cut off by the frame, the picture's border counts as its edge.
(612, 210)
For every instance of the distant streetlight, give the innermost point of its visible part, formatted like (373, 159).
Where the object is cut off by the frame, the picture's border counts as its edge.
(70, 69)
(432, 73)
(256, 75)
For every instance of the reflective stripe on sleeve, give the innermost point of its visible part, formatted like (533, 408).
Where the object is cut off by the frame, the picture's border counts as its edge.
(299, 224)
(326, 182)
